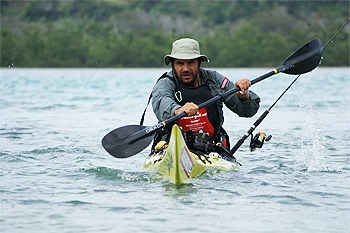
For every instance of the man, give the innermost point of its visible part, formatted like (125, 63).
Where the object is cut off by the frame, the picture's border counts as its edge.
(187, 85)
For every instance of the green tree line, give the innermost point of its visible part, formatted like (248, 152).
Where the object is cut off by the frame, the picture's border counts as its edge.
(119, 33)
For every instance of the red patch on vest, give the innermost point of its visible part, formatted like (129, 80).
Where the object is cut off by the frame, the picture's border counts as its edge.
(224, 83)
(197, 123)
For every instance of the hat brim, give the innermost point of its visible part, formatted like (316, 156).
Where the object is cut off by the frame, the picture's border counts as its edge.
(168, 58)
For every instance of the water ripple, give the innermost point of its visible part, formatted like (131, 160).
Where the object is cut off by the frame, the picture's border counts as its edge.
(284, 199)
(76, 202)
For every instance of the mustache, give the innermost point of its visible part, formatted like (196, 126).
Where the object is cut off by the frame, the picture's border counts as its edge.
(186, 73)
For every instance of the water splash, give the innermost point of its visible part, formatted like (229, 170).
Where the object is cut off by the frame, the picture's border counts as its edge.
(312, 138)
(116, 174)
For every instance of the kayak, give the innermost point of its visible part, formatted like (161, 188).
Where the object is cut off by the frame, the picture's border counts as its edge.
(177, 164)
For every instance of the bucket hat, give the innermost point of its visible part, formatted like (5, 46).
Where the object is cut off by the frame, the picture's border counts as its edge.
(185, 48)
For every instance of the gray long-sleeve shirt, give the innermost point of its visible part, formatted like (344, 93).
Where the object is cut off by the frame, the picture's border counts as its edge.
(164, 103)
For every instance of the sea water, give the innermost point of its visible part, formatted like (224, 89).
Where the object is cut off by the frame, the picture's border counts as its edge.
(56, 177)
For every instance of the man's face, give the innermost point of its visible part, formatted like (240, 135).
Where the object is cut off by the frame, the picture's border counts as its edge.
(187, 71)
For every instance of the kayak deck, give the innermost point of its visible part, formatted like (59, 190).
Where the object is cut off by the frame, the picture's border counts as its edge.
(176, 163)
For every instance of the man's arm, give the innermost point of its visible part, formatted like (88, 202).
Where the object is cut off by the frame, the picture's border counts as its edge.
(163, 100)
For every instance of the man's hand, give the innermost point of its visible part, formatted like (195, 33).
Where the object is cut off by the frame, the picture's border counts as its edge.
(189, 108)
(243, 85)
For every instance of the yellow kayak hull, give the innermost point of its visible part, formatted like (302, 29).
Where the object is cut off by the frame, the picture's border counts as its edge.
(177, 164)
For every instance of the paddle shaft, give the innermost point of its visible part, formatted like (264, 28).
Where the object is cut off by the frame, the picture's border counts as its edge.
(215, 99)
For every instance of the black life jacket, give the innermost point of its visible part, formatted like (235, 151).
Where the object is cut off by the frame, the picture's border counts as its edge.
(207, 120)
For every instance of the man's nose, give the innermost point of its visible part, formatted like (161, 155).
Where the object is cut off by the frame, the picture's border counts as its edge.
(186, 66)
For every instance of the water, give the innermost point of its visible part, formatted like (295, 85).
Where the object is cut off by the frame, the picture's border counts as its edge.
(56, 177)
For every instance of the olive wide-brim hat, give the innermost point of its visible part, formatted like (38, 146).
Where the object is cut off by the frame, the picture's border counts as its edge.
(185, 48)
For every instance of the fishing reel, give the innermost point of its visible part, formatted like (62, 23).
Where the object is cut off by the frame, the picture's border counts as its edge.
(258, 140)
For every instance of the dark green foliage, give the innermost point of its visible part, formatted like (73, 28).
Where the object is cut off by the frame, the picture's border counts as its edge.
(121, 33)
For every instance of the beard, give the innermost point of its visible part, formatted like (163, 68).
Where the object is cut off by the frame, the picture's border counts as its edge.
(188, 78)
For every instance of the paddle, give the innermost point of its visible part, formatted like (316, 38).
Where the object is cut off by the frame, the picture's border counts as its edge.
(129, 140)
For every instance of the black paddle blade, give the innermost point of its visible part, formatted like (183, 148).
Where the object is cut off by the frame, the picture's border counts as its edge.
(305, 59)
(126, 141)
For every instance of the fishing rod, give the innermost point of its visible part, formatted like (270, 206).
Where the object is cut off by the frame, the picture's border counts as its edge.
(258, 140)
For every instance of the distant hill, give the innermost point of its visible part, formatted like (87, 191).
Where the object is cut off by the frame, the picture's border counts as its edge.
(121, 33)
